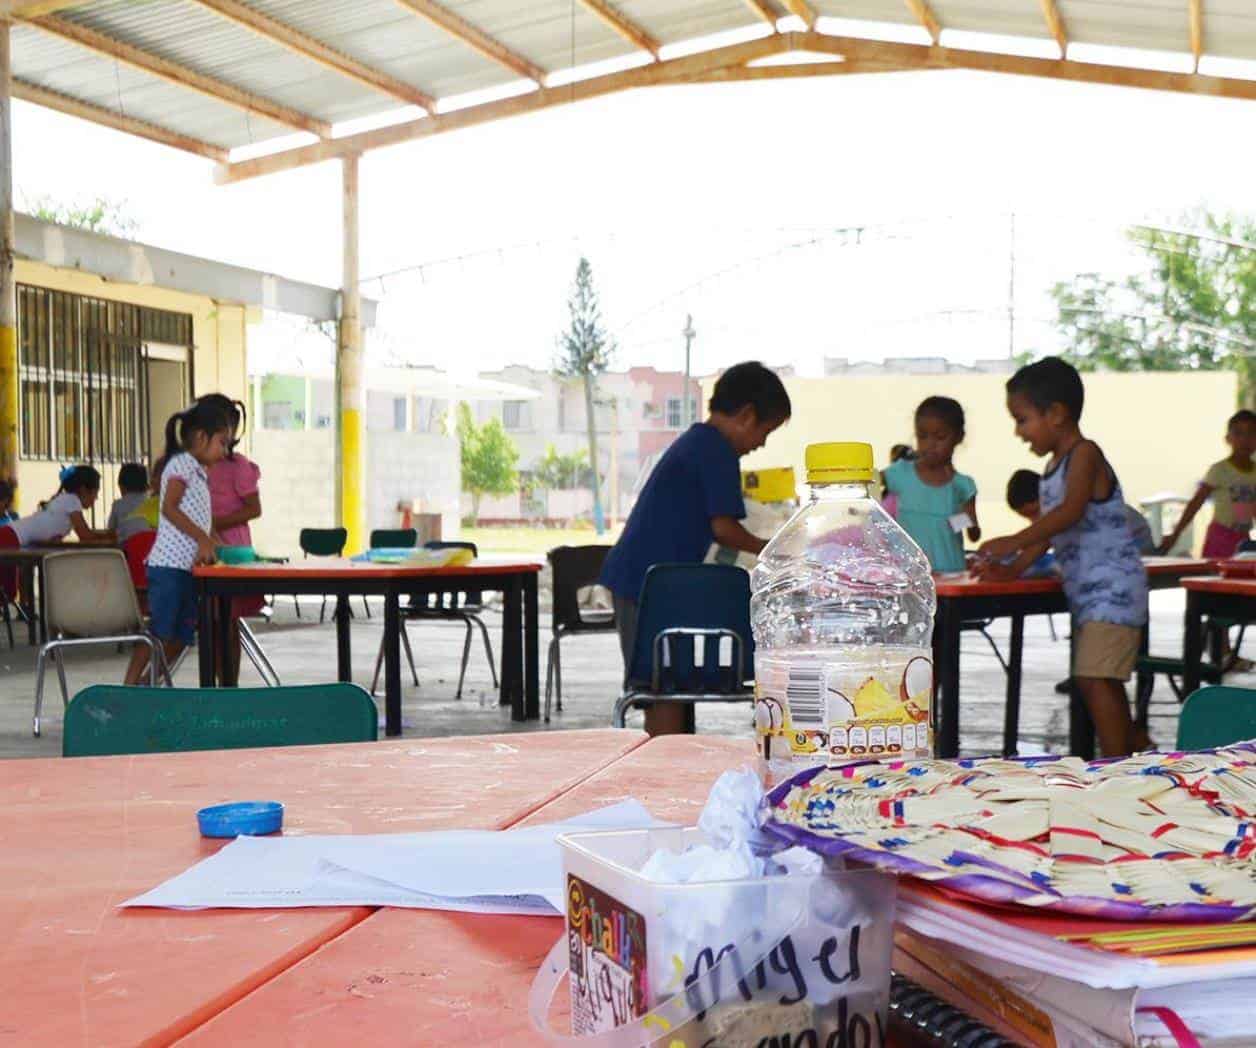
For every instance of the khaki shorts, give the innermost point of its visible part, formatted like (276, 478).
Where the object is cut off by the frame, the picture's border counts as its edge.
(1105, 650)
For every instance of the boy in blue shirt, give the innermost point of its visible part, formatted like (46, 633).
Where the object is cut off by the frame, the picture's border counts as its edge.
(693, 498)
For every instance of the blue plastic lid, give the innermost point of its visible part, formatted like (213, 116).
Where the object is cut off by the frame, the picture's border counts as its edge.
(242, 818)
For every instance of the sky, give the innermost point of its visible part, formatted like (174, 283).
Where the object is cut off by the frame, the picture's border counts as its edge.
(733, 203)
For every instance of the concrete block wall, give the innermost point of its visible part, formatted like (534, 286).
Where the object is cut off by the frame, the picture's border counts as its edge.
(422, 468)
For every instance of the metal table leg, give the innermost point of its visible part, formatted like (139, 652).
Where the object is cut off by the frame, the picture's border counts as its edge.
(946, 669)
(344, 660)
(205, 636)
(1011, 708)
(392, 663)
(1193, 649)
(531, 654)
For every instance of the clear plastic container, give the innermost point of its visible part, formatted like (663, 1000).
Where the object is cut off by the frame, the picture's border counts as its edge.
(843, 619)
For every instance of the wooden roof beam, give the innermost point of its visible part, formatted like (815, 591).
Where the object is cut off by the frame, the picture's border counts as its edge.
(62, 103)
(36, 8)
(1055, 23)
(219, 90)
(294, 40)
(925, 16)
(686, 69)
(635, 34)
(475, 38)
(765, 10)
(802, 10)
(1197, 31)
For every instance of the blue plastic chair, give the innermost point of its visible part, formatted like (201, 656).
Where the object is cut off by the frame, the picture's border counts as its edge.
(1217, 716)
(684, 609)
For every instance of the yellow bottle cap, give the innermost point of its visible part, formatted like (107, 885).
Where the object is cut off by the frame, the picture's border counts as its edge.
(845, 462)
(769, 485)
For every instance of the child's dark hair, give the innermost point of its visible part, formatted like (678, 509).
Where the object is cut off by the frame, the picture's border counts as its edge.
(901, 451)
(1240, 417)
(1050, 381)
(946, 410)
(133, 477)
(751, 383)
(6, 491)
(80, 478)
(236, 413)
(1022, 488)
(202, 416)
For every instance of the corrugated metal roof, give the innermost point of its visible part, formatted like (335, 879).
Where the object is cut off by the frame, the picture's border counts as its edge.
(555, 35)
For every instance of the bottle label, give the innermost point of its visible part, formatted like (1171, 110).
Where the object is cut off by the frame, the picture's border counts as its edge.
(812, 711)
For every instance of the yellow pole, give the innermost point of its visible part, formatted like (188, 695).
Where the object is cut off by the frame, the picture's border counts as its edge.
(352, 394)
(9, 401)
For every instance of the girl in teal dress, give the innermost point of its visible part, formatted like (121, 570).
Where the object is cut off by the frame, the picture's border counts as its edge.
(932, 496)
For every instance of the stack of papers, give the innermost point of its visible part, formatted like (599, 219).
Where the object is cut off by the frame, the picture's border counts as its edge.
(480, 871)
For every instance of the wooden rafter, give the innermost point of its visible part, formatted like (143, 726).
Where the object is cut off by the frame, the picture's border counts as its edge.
(170, 71)
(803, 10)
(765, 10)
(475, 37)
(307, 46)
(925, 16)
(727, 63)
(63, 103)
(1197, 31)
(631, 31)
(1051, 13)
(683, 70)
(799, 70)
(38, 8)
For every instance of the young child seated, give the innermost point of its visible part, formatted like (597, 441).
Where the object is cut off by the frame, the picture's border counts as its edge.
(1231, 484)
(7, 512)
(1082, 513)
(691, 499)
(935, 503)
(125, 517)
(1022, 498)
(63, 513)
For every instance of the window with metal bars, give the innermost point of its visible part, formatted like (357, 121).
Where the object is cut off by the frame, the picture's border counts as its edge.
(84, 389)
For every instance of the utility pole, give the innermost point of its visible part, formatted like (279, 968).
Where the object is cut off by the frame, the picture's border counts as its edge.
(689, 335)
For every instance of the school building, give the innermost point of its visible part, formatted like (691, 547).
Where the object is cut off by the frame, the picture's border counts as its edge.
(115, 336)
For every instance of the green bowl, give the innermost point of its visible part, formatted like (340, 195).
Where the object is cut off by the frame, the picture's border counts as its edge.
(236, 555)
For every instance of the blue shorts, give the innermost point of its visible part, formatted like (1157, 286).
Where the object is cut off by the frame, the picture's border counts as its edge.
(172, 604)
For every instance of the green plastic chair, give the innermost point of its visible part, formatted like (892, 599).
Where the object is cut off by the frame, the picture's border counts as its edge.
(1217, 716)
(108, 719)
(394, 538)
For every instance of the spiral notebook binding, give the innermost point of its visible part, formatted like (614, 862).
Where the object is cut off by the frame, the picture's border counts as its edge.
(928, 1020)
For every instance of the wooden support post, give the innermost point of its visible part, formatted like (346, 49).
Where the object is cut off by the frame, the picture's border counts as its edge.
(349, 372)
(9, 401)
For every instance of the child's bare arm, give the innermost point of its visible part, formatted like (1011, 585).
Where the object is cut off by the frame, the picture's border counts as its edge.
(996, 571)
(974, 530)
(171, 511)
(1188, 514)
(89, 535)
(729, 533)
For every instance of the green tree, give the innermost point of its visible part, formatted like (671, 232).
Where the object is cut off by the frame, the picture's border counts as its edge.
(584, 352)
(489, 458)
(1191, 307)
(555, 472)
(98, 215)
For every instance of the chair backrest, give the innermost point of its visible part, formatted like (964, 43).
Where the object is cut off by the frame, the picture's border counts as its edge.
(714, 598)
(573, 568)
(448, 601)
(394, 538)
(323, 542)
(109, 719)
(89, 593)
(1217, 716)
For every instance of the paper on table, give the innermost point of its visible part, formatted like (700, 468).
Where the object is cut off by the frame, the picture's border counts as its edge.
(488, 871)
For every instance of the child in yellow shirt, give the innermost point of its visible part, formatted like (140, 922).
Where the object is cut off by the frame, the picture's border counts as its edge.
(1231, 484)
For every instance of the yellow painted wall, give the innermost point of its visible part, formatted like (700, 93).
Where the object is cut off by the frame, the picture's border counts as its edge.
(218, 358)
(1160, 431)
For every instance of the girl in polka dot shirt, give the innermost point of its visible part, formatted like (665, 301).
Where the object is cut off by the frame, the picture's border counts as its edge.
(196, 438)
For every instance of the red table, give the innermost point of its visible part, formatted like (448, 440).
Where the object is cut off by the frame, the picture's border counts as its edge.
(79, 836)
(964, 598)
(1206, 597)
(516, 580)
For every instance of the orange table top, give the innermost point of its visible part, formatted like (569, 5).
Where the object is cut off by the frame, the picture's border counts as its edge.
(424, 977)
(79, 836)
(966, 585)
(1217, 584)
(342, 567)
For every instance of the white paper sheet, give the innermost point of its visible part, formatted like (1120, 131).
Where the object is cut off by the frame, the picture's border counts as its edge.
(484, 871)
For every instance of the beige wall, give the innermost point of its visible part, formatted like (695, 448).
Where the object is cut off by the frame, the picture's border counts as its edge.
(218, 359)
(1160, 430)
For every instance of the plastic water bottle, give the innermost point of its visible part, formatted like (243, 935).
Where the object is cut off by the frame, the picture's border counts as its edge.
(843, 618)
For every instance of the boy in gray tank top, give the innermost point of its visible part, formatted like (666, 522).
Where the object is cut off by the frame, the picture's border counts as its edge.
(1083, 517)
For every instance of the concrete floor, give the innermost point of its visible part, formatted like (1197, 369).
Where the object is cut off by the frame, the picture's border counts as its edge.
(304, 652)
